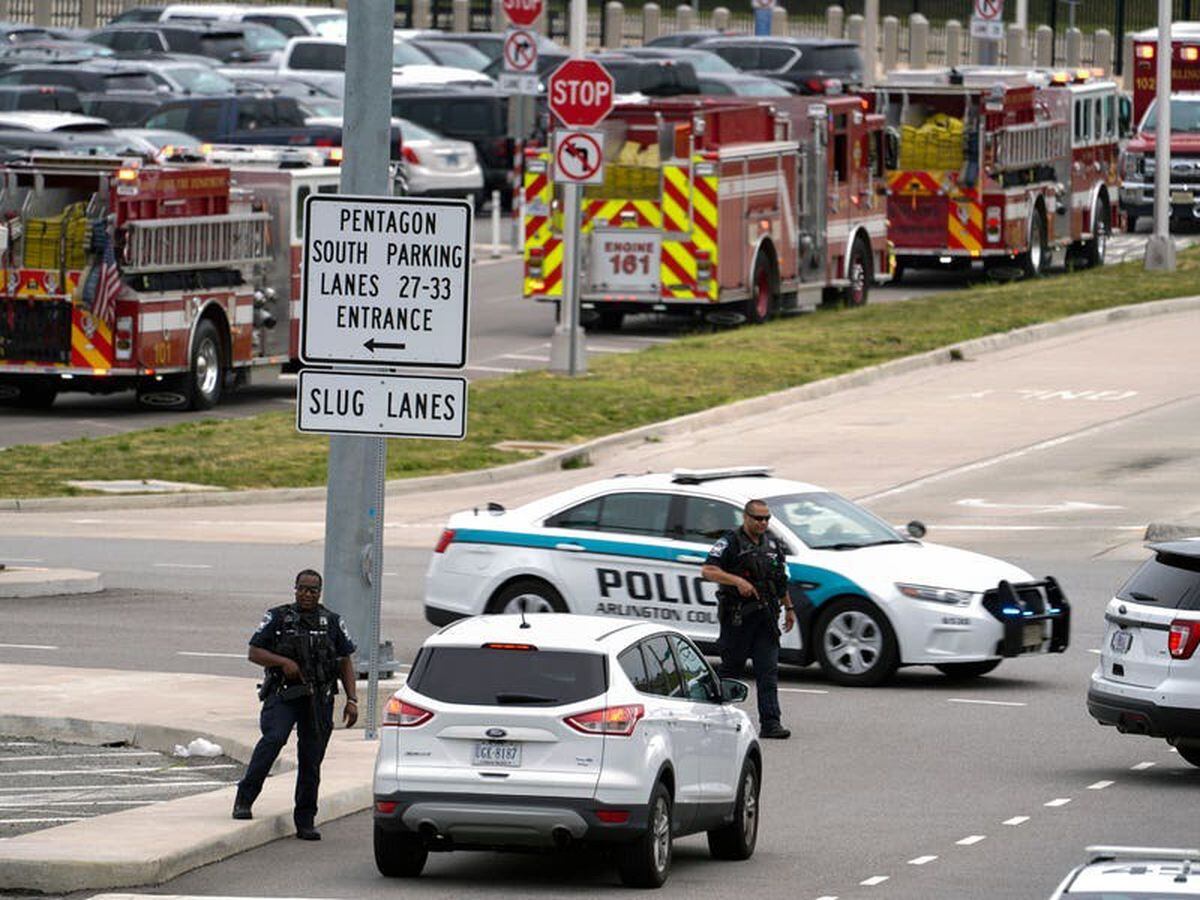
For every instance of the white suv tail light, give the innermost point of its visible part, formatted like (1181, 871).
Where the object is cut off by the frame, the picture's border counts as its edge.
(618, 721)
(1183, 638)
(404, 715)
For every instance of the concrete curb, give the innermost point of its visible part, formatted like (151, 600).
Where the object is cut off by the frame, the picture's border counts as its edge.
(19, 582)
(554, 461)
(1162, 531)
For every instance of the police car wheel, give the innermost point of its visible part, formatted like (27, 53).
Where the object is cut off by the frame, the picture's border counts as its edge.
(646, 861)
(738, 839)
(967, 670)
(399, 854)
(528, 595)
(1189, 752)
(855, 644)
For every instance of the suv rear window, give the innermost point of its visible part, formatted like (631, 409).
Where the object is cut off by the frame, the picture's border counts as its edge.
(1167, 581)
(834, 59)
(485, 676)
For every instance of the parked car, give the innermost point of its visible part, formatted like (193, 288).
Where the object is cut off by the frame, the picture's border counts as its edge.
(45, 120)
(814, 65)
(1134, 873)
(649, 77)
(741, 85)
(437, 166)
(243, 119)
(716, 76)
(161, 140)
(290, 21)
(683, 38)
(123, 108)
(491, 43)
(174, 77)
(50, 51)
(541, 732)
(1147, 681)
(20, 32)
(227, 42)
(90, 78)
(138, 14)
(477, 116)
(20, 143)
(451, 53)
(42, 97)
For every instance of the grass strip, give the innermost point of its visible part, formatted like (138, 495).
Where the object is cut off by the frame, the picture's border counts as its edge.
(620, 392)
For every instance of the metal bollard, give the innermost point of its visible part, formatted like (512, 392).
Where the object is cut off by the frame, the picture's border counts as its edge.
(495, 224)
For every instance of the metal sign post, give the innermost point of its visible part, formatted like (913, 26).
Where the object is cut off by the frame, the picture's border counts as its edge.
(987, 27)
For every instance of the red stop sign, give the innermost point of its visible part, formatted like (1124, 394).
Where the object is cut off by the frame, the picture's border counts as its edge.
(581, 92)
(522, 12)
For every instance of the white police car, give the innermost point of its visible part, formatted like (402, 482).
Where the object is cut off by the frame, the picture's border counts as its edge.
(541, 731)
(1136, 873)
(868, 599)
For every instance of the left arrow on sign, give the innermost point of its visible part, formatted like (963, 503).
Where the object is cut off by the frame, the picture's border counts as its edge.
(372, 344)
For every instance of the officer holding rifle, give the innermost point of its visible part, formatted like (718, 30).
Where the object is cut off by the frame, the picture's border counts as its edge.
(305, 648)
(748, 563)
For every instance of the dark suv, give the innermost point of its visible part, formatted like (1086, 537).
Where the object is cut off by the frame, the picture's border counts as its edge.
(814, 65)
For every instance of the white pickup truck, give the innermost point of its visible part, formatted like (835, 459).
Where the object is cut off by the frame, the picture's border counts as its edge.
(323, 61)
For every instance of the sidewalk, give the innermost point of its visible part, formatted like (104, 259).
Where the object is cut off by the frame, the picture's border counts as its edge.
(155, 710)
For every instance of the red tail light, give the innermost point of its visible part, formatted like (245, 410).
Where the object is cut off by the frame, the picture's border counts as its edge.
(387, 807)
(410, 155)
(401, 714)
(447, 537)
(618, 721)
(1183, 638)
(613, 816)
(495, 646)
(816, 85)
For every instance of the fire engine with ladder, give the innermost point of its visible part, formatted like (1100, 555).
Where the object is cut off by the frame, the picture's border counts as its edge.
(208, 256)
(1004, 167)
(734, 210)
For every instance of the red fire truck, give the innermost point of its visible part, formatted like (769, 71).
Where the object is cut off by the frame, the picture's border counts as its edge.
(735, 210)
(204, 294)
(1004, 167)
(1185, 64)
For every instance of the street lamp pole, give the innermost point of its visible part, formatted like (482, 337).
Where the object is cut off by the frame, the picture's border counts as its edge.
(1160, 251)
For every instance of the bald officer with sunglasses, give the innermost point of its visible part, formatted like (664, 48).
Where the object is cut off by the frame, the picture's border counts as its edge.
(749, 568)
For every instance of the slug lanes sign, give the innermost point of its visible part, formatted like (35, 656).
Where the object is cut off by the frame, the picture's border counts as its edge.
(386, 282)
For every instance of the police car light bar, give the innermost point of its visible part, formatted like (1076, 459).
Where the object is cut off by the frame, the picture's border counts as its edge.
(698, 476)
(1103, 852)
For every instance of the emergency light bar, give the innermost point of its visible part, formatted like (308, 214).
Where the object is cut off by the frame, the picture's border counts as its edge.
(698, 476)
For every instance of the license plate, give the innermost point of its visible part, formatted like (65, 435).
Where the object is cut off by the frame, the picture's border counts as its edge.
(497, 753)
(1122, 641)
(1182, 196)
(1034, 634)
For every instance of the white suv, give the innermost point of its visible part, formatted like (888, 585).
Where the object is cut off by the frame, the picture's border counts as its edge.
(1148, 679)
(1152, 873)
(544, 731)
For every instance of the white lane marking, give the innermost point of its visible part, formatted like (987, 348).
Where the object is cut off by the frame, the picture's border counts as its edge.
(802, 691)
(1055, 528)
(996, 460)
(1060, 506)
(29, 646)
(87, 521)
(1016, 820)
(499, 369)
(874, 880)
(181, 566)
(529, 357)
(18, 743)
(650, 340)
(1058, 801)
(17, 559)
(593, 349)
(141, 769)
(921, 860)
(216, 655)
(155, 786)
(971, 839)
(1142, 766)
(1100, 785)
(1094, 650)
(828, 897)
(986, 702)
(115, 754)
(41, 803)
(41, 821)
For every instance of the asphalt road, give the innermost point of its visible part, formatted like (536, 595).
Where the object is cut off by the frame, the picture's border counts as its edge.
(921, 789)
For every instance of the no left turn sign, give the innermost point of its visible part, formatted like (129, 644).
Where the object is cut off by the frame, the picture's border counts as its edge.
(579, 156)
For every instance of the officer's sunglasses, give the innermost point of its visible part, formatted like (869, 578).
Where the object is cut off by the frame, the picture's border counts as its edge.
(766, 518)
(308, 589)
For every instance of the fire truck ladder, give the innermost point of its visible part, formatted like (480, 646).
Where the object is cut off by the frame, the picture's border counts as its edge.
(199, 242)
(1027, 146)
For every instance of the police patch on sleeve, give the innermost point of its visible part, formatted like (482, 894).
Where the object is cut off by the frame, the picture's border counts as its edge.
(719, 547)
(345, 630)
(263, 624)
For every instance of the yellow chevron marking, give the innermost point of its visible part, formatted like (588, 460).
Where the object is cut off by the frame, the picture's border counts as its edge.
(959, 233)
(94, 357)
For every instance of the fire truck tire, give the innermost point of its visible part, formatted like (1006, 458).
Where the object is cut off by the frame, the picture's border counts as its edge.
(207, 374)
(610, 319)
(1033, 260)
(35, 395)
(1097, 248)
(764, 298)
(859, 275)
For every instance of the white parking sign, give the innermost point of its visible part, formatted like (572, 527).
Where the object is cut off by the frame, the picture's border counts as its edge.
(386, 281)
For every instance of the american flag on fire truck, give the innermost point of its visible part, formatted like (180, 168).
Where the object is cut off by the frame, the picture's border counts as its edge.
(108, 285)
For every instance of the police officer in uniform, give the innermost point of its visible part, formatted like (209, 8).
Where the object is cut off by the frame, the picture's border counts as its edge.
(748, 563)
(305, 648)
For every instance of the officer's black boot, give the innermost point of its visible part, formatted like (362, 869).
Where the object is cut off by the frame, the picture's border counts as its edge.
(775, 731)
(241, 807)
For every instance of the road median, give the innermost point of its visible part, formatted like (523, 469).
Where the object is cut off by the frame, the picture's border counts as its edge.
(621, 396)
